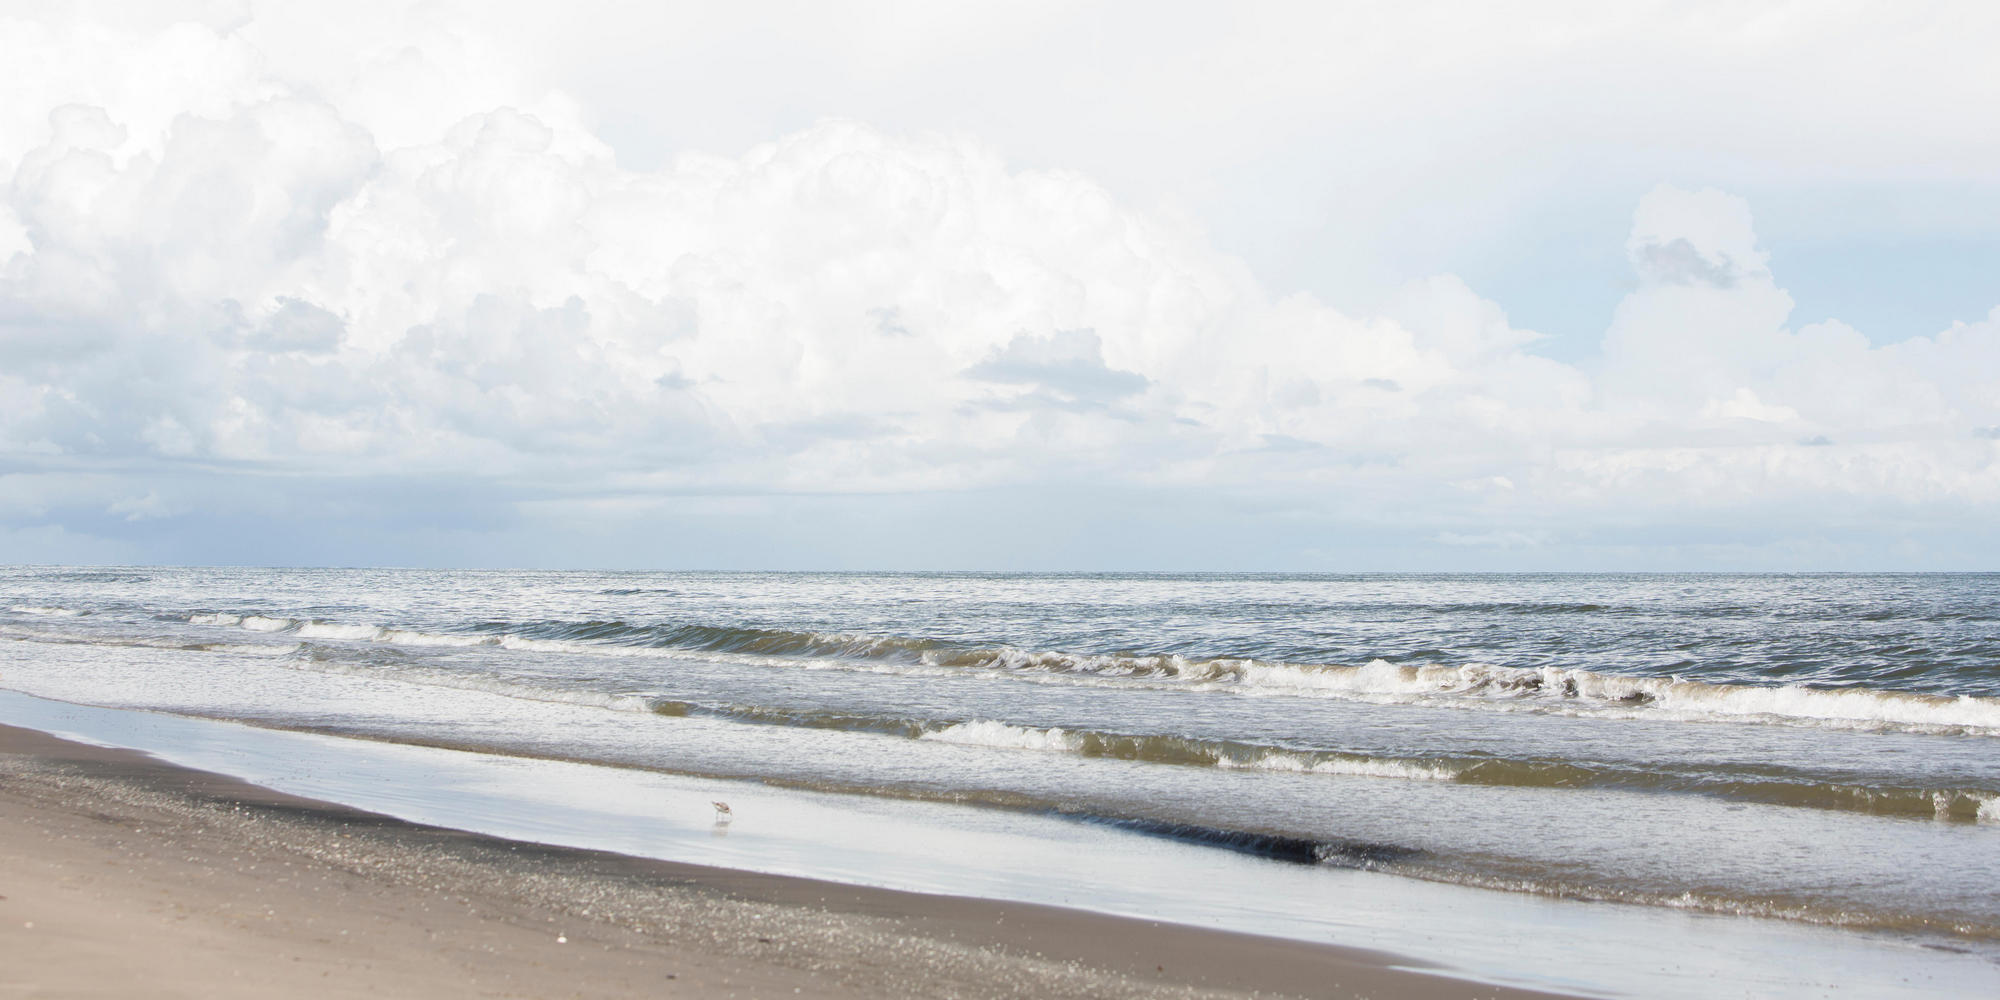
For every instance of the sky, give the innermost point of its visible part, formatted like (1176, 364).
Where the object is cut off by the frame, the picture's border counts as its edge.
(1010, 286)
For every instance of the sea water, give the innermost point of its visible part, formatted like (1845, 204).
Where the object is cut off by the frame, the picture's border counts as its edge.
(1822, 750)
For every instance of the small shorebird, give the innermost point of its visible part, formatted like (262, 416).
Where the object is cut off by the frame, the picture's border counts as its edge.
(722, 813)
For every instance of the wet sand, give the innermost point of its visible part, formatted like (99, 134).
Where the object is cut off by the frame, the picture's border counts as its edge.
(121, 875)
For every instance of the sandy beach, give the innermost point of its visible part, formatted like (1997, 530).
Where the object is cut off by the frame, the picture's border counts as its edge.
(127, 876)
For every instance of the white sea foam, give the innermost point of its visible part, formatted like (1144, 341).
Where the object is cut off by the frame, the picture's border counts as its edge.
(336, 630)
(353, 632)
(520, 690)
(35, 609)
(1588, 691)
(1479, 684)
(149, 642)
(253, 648)
(534, 645)
(1362, 767)
(408, 637)
(339, 631)
(987, 733)
(1843, 704)
(1041, 661)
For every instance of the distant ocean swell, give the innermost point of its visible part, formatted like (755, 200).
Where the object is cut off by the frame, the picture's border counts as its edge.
(1462, 685)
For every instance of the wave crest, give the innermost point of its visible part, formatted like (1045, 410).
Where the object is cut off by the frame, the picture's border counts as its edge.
(1570, 691)
(47, 611)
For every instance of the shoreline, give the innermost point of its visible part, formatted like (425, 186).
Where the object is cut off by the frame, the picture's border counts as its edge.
(140, 875)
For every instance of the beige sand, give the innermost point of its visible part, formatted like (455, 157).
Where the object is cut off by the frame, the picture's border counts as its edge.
(123, 876)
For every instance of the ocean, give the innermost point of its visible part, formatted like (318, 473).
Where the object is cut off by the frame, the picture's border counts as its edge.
(1820, 749)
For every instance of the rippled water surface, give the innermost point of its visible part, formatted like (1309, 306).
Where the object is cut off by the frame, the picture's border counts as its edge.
(1821, 748)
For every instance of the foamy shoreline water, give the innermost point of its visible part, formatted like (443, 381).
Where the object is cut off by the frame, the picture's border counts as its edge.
(1591, 949)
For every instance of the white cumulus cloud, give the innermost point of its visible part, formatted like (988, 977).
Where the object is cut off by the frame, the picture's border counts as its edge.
(219, 276)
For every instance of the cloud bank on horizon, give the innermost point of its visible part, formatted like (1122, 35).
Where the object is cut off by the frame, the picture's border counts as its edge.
(246, 308)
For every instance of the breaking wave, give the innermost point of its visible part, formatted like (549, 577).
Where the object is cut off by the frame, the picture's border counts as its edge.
(270, 649)
(1186, 751)
(1547, 689)
(1586, 690)
(1743, 784)
(1966, 804)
